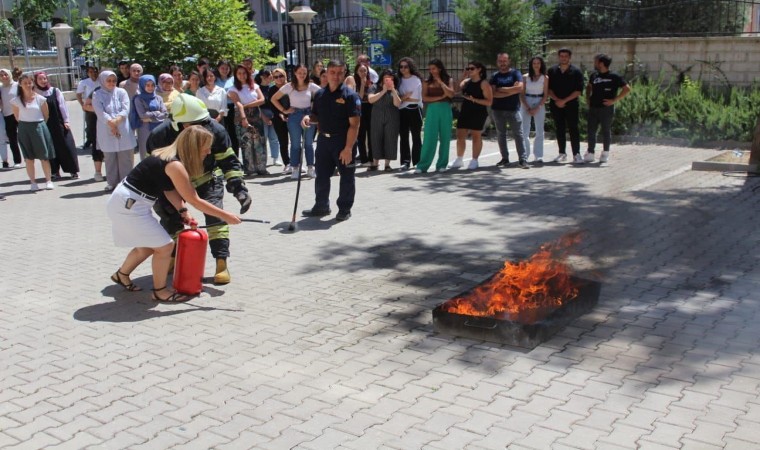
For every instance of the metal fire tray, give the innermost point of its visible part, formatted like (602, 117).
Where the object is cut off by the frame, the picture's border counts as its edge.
(515, 333)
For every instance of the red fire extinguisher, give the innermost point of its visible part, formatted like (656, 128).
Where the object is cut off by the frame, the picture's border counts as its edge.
(190, 260)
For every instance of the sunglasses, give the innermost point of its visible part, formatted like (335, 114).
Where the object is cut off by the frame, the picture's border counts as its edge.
(472, 68)
(279, 76)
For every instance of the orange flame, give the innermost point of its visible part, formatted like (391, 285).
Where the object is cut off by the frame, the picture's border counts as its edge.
(525, 291)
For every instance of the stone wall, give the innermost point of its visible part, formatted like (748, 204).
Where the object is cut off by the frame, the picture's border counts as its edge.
(49, 63)
(710, 59)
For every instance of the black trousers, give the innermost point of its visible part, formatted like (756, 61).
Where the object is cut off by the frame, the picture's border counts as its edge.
(600, 115)
(363, 141)
(566, 120)
(281, 129)
(326, 160)
(11, 130)
(91, 125)
(411, 122)
(229, 125)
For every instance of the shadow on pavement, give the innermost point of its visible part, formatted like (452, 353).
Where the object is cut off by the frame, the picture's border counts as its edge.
(668, 259)
(91, 194)
(137, 306)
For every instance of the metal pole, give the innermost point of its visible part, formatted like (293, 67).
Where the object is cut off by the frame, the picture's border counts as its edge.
(279, 26)
(23, 42)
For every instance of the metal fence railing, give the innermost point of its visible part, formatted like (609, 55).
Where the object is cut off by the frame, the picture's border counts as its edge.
(650, 18)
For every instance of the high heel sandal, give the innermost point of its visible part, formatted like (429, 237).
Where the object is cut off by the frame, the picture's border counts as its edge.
(174, 298)
(131, 287)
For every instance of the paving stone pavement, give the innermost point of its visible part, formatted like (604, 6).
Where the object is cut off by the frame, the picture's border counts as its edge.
(324, 339)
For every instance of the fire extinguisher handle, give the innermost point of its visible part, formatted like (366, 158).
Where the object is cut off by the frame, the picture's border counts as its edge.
(193, 224)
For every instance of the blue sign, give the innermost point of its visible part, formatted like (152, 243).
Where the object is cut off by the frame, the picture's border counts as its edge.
(379, 53)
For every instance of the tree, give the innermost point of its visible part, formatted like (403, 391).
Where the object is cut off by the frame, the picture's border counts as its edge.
(159, 33)
(494, 26)
(408, 26)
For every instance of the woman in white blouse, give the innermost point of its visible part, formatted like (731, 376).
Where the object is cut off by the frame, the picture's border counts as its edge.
(115, 137)
(31, 111)
(250, 127)
(8, 91)
(301, 92)
(410, 91)
(213, 96)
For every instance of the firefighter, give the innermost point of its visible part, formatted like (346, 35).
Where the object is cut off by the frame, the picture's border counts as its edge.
(219, 167)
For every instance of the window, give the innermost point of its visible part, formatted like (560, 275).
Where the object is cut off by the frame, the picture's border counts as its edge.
(268, 13)
(439, 5)
(332, 9)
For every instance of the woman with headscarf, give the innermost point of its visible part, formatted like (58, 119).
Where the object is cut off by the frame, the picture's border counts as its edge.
(58, 125)
(8, 91)
(166, 90)
(147, 112)
(31, 112)
(115, 137)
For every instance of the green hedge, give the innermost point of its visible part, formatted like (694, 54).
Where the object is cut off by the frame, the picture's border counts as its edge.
(687, 111)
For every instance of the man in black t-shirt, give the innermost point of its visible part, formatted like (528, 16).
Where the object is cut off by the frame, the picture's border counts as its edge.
(601, 95)
(565, 86)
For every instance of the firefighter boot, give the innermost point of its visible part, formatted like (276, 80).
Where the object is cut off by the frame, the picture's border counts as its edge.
(222, 274)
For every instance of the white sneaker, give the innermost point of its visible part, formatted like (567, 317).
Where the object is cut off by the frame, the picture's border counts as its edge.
(108, 188)
(605, 157)
(98, 176)
(561, 158)
(418, 171)
(310, 172)
(287, 170)
(276, 162)
(17, 166)
(577, 159)
(473, 164)
(49, 186)
(588, 157)
(442, 169)
(33, 187)
(456, 164)
(294, 171)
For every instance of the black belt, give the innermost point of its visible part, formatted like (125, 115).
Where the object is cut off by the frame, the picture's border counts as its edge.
(139, 192)
(534, 95)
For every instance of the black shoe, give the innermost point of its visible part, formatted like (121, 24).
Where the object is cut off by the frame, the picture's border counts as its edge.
(343, 216)
(314, 212)
(6, 165)
(404, 166)
(523, 165)
(502, 163)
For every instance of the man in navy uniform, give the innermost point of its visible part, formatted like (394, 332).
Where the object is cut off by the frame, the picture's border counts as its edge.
(337, 110)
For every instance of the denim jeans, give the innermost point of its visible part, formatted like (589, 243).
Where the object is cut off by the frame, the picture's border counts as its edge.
(512, 118)
(539, 119)
(297, 135)
(274, 143)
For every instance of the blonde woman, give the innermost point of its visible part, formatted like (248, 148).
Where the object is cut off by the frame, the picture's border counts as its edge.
(167, 171)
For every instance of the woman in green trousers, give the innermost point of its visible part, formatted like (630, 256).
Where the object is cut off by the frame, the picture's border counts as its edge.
(437, 92)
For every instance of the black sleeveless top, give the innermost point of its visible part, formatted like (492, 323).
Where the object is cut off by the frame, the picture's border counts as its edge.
(149, 176)
(473, 88)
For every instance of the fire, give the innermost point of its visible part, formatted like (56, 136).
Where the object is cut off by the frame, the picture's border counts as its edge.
(524, 291)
